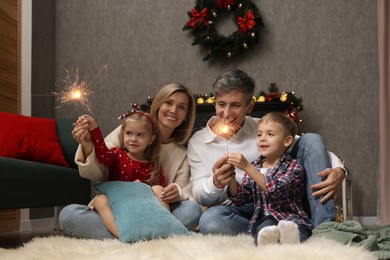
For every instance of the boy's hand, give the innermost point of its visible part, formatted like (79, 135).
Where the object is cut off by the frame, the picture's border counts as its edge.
(238, 160)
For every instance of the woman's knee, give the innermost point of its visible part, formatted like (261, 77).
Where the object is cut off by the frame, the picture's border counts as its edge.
(67, 215)
(188, 213)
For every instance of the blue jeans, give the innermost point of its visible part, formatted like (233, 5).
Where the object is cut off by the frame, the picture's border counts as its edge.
(310, 150)
(80, 221)
(226, 219)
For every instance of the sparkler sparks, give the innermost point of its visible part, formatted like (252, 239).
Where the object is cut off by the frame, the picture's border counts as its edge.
(76, 91)
(223, 130)
(227, 129)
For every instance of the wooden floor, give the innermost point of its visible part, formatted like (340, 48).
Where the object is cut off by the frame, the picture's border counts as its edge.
(16, 239)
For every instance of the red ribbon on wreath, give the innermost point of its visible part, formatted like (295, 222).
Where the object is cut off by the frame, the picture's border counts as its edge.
(246, 23)
(196, 17)
(224, 3)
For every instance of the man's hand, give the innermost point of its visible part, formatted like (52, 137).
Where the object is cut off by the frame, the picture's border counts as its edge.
(223, 172)
(329, 187)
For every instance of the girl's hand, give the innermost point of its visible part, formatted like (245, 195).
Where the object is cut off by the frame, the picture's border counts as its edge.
(87, 120)
(170, 194)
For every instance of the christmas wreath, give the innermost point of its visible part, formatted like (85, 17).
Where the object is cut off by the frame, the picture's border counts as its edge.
(202, 26)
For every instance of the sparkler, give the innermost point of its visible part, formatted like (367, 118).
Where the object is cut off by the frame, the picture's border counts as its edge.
(225, 130)
(77, 91)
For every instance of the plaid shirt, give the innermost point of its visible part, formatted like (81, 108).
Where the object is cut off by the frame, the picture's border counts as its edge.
(283, 200)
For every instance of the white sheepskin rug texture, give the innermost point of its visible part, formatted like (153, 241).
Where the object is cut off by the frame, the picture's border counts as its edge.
(195, 246)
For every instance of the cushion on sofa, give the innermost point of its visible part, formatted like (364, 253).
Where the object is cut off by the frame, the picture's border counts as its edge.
(68, 144)
(30, 138)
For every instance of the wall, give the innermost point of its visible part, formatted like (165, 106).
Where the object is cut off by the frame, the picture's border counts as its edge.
(43, 55)
(324, 51)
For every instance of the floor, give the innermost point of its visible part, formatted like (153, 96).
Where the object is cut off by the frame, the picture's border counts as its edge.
(16, 239)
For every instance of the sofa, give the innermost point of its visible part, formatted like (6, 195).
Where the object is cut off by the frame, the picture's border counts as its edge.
(29, 178)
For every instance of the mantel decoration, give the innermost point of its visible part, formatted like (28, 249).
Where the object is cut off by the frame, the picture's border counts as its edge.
(273, 95)
(202, 26)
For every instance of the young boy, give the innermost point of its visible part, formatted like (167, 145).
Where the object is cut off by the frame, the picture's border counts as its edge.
(274, 184)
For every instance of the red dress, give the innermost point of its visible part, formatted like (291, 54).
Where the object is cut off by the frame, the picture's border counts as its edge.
(121, 167)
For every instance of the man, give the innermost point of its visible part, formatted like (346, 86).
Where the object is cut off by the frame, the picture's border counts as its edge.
(210, 173)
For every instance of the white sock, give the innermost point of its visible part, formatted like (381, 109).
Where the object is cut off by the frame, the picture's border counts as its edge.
(289, 233)
(268, 235)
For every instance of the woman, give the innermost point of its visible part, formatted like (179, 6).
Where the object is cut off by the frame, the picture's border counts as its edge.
(173, 108)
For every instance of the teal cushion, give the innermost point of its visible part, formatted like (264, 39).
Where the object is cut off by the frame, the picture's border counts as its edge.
(138, 213)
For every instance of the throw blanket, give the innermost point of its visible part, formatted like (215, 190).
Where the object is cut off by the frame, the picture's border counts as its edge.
(373, 238)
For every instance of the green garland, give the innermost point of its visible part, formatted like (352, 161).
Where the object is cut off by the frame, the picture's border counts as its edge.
(294, 103)
(202, 27)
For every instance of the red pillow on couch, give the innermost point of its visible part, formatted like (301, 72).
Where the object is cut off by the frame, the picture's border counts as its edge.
(30, 138)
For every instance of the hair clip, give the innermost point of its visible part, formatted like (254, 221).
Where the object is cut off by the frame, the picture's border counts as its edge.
(136, 110)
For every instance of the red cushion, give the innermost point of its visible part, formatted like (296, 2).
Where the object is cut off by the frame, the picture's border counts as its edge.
(30, 138)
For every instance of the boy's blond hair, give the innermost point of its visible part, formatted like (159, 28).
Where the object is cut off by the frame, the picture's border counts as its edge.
(288, 125)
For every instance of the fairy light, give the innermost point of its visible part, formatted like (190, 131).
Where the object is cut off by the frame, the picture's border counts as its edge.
(76, 91)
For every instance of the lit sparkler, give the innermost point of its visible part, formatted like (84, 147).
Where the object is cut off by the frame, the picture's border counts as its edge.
(223, 130)
(77, 91)
(228, 130)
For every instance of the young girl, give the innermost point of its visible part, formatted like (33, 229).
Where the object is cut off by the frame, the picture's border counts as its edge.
(136, 160)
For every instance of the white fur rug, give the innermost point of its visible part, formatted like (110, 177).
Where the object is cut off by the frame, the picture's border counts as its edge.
(196, 246)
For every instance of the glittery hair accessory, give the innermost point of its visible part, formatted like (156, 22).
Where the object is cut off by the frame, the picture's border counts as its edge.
(136, 110)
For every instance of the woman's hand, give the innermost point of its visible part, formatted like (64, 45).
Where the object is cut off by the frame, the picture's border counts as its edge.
(81, 134)
(170, 194)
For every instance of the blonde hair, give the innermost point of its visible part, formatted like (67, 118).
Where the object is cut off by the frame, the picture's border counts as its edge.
(288, 125)
(183, 132)
(152, 151)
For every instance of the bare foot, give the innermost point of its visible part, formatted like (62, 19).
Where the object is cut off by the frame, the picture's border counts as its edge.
(289, 233)
(268, 235)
